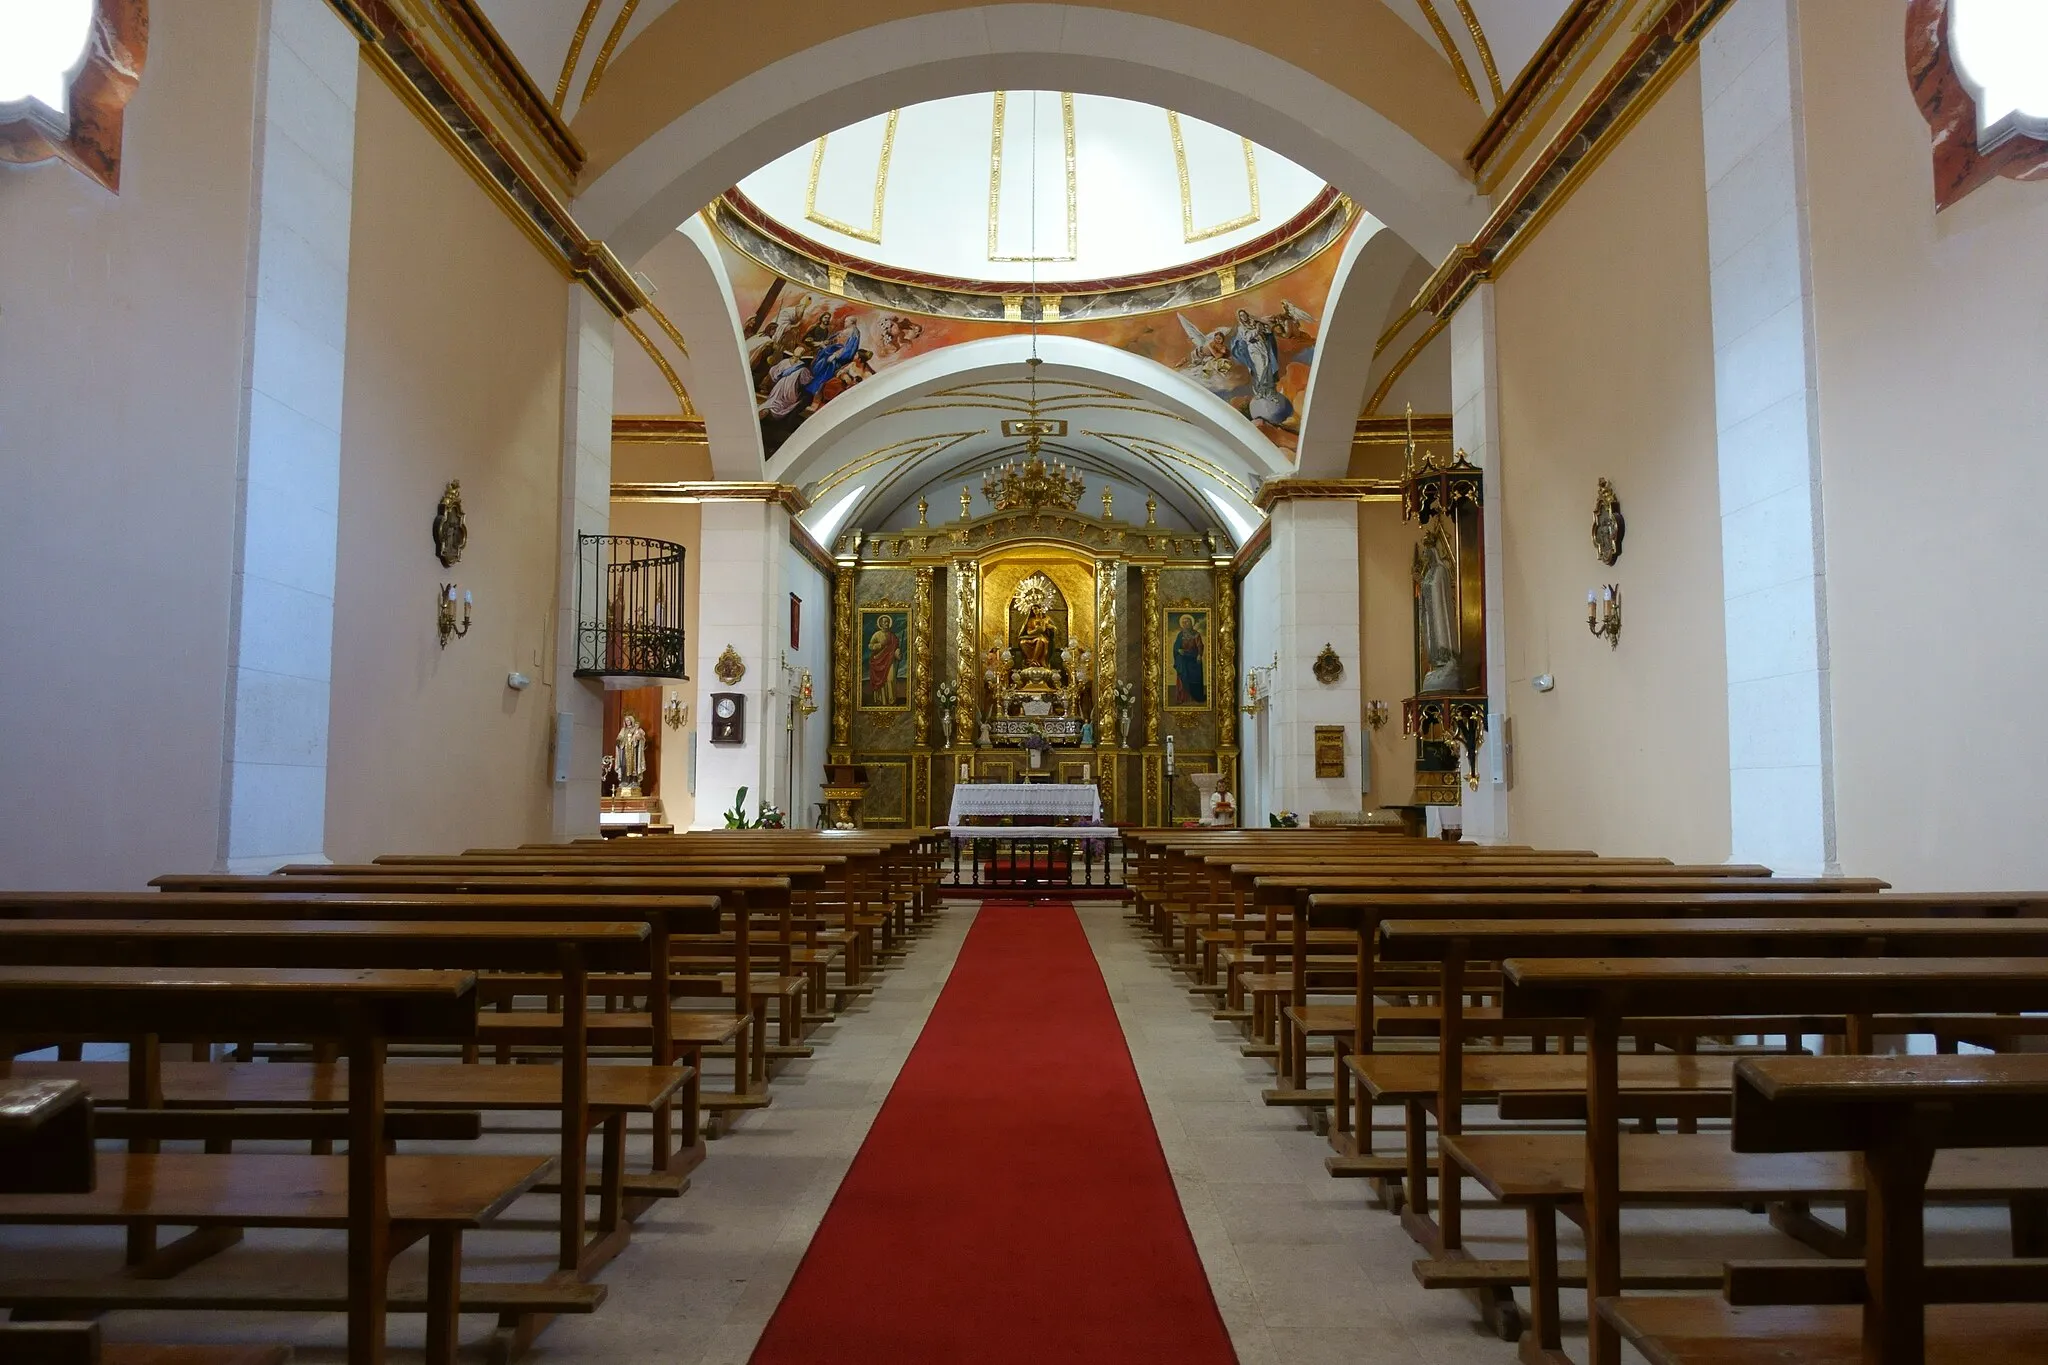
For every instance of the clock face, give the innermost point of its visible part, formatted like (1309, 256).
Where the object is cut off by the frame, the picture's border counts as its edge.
(725, 708)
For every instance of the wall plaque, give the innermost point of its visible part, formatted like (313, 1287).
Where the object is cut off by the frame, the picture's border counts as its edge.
(1329, 751)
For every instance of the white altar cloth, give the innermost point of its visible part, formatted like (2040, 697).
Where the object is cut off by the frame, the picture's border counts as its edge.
(1094, 834)
(1032, 799)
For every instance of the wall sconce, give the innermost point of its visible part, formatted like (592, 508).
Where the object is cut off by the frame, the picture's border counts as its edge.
(1258, 687)
(674, 714)
(806, 696)
(1603, 614)
(1376, 714)
(447, 617)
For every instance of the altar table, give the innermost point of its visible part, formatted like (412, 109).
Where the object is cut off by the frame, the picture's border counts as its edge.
(1039, 853)
(1046, 802)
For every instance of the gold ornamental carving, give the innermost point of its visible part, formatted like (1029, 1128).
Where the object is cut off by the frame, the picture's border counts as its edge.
(966, 653)
(1609, 526)
(1328, 667)
(1153, 682)
(1109, 574)
(1224, 692)
(730, 667)
(921, 659)
(842, 665)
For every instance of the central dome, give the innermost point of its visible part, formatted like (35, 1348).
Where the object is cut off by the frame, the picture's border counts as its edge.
(1014, 186)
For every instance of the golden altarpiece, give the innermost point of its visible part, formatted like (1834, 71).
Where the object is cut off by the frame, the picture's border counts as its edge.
(1003, 647)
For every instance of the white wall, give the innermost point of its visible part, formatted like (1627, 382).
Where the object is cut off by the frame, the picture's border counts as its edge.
(802, 577)
(1258, 635)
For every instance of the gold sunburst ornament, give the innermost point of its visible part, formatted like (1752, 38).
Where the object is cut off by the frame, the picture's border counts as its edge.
(730, 668)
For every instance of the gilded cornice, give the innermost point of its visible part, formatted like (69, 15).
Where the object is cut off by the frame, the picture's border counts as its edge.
(1340, 490)
(1556, 63)
(442, 58)
(658, 429)
(1394, 431)
(947, 540)
(1662, 48)
(786, 495)
(1253, 550)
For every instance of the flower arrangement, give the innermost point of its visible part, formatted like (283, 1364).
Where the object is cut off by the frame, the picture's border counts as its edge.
(1126, 694)
(1036, 742)
(1286, 819)
(946, 696)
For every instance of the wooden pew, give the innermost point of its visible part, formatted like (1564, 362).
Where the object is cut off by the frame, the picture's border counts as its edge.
(1900, 1113)
(1663, 1084)
(1605, 992)
(743, 893)
(381, 1202)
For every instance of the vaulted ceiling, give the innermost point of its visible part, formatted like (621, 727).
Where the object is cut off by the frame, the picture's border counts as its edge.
(567, 46)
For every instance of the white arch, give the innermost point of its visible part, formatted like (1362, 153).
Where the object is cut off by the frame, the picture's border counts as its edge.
(1361, 296)
(1196, 414)
(698, 298)
(682, 167)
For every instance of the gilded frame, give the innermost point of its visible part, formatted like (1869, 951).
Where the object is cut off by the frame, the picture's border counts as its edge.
(864, 641)
(1202, 621)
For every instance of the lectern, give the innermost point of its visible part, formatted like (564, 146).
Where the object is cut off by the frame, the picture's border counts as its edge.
(845, 786)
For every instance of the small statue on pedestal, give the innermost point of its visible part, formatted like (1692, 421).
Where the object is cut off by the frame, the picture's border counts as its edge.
(1087, 734)
(629, 756)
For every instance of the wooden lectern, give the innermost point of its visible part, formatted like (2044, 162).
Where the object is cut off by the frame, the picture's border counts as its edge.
(845, 786)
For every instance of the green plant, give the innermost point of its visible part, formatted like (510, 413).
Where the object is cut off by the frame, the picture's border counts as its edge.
(736, 818)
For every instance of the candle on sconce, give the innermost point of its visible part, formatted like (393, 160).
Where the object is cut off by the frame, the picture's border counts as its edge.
(963, 770)
(1590, 597)
(467, 598)
(1087, 772)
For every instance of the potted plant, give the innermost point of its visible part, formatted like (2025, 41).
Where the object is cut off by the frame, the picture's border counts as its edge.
(1126, 696)
(736, 818)
(946, 696)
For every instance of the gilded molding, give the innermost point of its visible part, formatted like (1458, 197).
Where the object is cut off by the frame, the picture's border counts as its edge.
(1224, 692)
(1485, 48)
(807, 545)
(1338, 490)
(871, 234)
(1136, 544)
(1153, 681)
(576, 41)
(482, 142)
(842, 664)
(921, 659)
(1400, 367)
(995, 182)
(658, 429)
(1109, 575)
(1556, 63)
(1189, 233)
(1662, 49)
(604, 53)
(1253, 550)
(1395, 431)
(966, 576)
(668, 371)
(1451, 53)
(786, 495)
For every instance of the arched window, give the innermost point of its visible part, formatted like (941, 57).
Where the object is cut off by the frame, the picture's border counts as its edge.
(67, 69)
(1980, 73)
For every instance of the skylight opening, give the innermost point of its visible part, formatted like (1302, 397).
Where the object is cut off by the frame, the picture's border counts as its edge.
(41, 44)
(2001, 49)
(827, 524)
(1240, 527)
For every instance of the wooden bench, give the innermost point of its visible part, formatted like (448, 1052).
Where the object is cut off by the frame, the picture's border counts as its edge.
(1605, 992)
(78, 1343)
(1654, 1086)
(383, 1203)
(1904, 1116)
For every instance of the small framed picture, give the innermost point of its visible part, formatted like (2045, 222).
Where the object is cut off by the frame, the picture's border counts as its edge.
(796, 621)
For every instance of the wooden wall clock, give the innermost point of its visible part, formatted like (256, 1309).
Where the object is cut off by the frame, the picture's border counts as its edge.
(728, 718)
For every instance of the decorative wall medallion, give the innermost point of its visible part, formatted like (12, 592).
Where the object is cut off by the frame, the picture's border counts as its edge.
(1328, 667)
(451, 533)
(1609, 526)
(730, 667)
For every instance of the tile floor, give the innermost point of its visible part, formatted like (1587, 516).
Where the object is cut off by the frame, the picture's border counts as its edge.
(1304, 1267)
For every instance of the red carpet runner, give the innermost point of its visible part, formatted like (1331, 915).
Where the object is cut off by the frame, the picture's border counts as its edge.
(1011, 1203)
